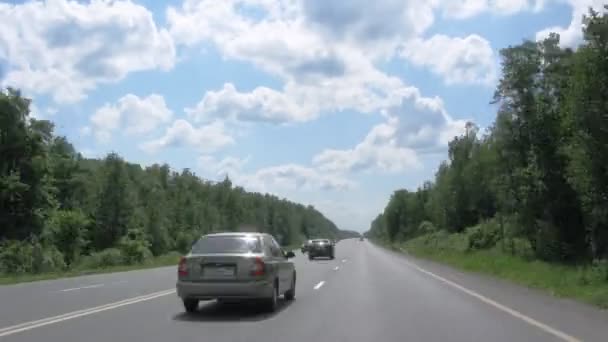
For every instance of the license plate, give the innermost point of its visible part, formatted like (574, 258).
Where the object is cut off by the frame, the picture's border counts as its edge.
(218, 272)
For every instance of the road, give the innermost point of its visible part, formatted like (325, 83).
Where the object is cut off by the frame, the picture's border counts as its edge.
(366, 294)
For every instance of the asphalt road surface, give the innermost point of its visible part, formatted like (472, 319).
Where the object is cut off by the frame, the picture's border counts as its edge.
(366, 294)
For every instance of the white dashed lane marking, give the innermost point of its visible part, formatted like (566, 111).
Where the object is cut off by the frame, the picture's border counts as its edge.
(82, 287)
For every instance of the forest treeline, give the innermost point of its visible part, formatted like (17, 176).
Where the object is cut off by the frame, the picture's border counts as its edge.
(537, 179)
(60, 210)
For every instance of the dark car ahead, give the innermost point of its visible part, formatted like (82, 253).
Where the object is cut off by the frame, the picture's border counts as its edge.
(321, 248)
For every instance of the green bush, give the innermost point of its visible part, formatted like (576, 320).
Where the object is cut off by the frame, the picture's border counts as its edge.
(548, 245)
(517, 246)
(66, 229)
(173, 254)
(20, 257)
(50, 259)
(427, 227)
(105, 258)
(184, 241)
(599, 270)
(168, 258)
(16, 257)
(134, 247)
(483, 236)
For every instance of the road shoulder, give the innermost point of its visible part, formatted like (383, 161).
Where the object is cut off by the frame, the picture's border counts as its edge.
(577, 319)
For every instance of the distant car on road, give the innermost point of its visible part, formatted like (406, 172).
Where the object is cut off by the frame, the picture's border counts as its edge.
(228, 266)
(321, 248)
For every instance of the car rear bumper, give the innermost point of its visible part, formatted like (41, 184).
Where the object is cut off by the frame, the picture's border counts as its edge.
(212, 290)
(320, 252)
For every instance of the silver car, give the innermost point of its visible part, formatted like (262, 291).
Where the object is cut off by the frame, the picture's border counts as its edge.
(227, 266)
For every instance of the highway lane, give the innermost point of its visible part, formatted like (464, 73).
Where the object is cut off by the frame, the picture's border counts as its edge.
(365, 294)
(37, 300)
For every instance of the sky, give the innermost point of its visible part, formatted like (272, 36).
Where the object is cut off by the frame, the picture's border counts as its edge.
(330, 103)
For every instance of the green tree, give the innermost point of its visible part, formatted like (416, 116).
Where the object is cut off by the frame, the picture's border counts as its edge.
(66, 230)
(26, 193)
(115, 204)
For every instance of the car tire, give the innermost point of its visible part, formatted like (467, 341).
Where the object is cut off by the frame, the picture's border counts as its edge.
(291, 293)
(272, 302)
(190, 305)
(310, 257)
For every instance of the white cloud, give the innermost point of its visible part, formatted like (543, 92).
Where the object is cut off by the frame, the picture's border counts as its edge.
(229, 166)
(261, 104)
(464, 9)
(320, 75)
(378, 150)
(39, 113)
(144, 115)
(139, 115)
(572, 35)
(278, 179)
(468, 60)
(51, 111)
(207, 138)
(105, 120)
(293, 177)
(35, 112)
(423, 124)
(322, 51)
(351, 213)
(85, 131)
(417, 125)
(379, 28)
(65, 48)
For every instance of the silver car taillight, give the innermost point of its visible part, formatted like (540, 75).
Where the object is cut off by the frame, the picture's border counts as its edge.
(182, 268)
(259, 267)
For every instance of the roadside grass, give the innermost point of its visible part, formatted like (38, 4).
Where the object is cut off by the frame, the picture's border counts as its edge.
(584, 283)
(160, 261)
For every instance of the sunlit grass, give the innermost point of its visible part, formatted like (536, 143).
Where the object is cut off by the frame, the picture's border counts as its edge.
(160, 261)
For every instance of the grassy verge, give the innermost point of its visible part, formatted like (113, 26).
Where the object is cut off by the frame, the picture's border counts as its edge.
(163, 260)
(586, 284)
(160, 261)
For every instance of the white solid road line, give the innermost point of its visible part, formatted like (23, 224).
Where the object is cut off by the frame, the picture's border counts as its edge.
(318, 286)
(559, 334)
(336, 268)
(82, 287)
(75, 314)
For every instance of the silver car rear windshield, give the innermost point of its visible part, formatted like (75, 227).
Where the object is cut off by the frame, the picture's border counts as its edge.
(227, 244)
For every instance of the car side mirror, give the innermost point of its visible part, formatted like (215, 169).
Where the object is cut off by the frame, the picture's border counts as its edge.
(290, 254)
